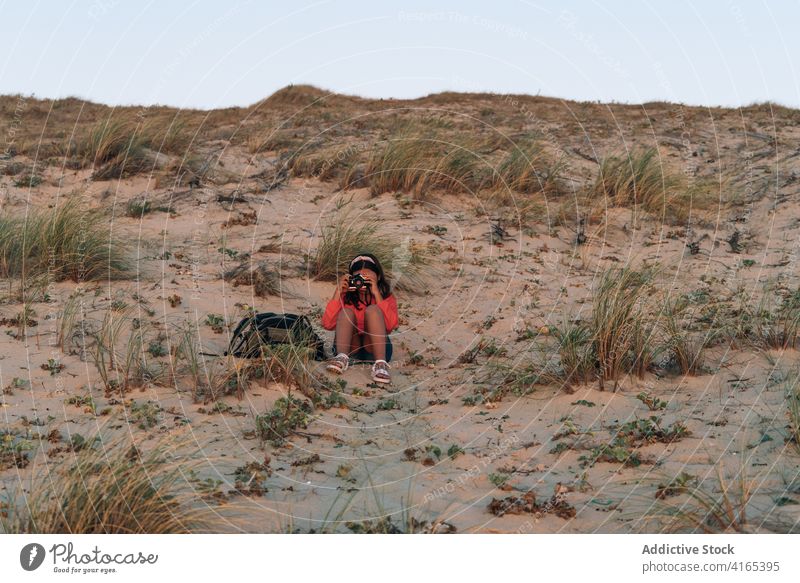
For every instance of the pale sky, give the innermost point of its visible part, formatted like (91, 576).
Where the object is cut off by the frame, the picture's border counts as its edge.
(214, 54)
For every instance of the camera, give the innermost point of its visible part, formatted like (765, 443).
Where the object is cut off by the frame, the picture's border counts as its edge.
(357, 282)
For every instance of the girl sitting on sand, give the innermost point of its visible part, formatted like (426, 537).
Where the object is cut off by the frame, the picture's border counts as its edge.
(362, 315)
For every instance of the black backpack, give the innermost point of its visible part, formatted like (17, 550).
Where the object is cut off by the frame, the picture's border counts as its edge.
(267, 328)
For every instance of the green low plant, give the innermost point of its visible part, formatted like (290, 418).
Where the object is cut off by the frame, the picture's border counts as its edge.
(250, 479)
(216, 323)
(454, 451)
(13, 451)
(286, 416)
(81, 401)
(611, 453)
(144, 414)
(498, 479)
(649, 430)
(677, 486)
(53, 366)
(768, 318)
(27, 181)
(387, 404)
(156, 349)
(652, 403)
(138, 208)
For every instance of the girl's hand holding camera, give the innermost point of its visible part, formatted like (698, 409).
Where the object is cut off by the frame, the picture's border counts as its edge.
(372, 282)
(344, 286)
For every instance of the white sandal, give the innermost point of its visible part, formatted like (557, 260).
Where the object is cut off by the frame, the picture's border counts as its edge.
(338, 363)
(380, 372)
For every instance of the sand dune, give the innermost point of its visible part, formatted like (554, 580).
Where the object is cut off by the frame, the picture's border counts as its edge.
(502, 274)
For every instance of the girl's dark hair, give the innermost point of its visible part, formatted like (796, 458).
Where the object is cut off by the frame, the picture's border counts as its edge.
(383, 283)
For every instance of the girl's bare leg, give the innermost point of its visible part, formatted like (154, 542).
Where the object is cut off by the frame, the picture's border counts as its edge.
(345, 328)
(375, 332)
(356, 343)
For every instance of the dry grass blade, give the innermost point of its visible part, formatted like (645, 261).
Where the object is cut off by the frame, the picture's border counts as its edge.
(126, 145)
(416, 162)
(771, 322)
(576, 353)
(70, 322)
(289, 364)
(68, 242)
(527, 168)
(115, 148)
(621, 336)
(323, 165)
(402, 165)
(263, 276)
(104, 350)
(114, 487)
(188, 350)
(791, 385)
(636, 179)
(123, 366)
(348, 235)
(685, 350)
(717, 506)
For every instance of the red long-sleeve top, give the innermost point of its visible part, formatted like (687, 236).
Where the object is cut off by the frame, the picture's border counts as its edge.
(387, 305)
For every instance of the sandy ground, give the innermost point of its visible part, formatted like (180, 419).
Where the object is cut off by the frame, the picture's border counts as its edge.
(368, 460)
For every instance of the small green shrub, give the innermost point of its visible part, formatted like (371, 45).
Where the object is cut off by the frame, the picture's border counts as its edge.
(216, 323)
(611, 453)
(286, 416)
(84, 401)
(13, 451)
(498, 479)
(145, 415)
(387, 405)
(156, 349)
(649, 431)
(27, 181)
(454, 451)
(250, 479)
(53, 366)
(137, 208)
(652, 403)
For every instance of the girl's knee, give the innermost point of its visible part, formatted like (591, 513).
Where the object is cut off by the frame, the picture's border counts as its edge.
(347, 314)
(374, 320)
